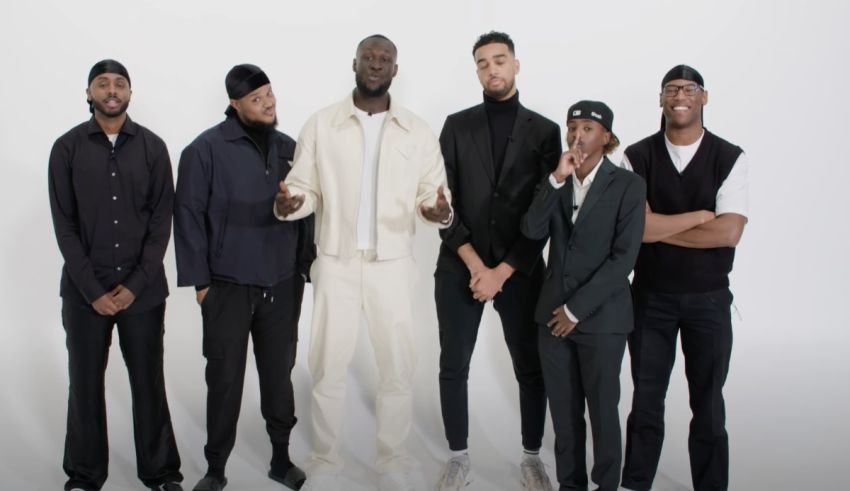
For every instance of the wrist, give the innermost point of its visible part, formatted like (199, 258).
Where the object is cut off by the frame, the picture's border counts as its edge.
(559, 178)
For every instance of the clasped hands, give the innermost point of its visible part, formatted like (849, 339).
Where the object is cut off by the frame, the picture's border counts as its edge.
(115, 301)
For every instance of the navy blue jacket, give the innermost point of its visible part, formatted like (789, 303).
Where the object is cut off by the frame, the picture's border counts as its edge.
(224, 227)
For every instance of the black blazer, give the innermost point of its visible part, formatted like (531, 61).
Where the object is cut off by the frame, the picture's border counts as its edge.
(590, 261)
(488, 210)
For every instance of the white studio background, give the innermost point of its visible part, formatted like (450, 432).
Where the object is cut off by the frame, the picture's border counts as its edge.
(777, 75)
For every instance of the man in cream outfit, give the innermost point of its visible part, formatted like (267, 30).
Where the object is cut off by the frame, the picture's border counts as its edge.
(366, 168)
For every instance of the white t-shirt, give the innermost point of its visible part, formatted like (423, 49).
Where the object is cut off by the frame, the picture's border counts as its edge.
(367, 237)
(733, 196)
(113, 138)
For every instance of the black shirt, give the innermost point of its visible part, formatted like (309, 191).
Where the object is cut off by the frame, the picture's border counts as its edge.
(501, 116)
(111, 212)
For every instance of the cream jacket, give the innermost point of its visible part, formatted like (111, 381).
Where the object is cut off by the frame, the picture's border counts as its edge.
(327, 172)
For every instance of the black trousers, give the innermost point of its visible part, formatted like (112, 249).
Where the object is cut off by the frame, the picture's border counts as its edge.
(459, 316)
(577, 369)
(705, 323)
(270, 315)
(88, 337)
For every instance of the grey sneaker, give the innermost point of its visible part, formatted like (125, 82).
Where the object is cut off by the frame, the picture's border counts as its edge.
(534, 476)
(455, 474)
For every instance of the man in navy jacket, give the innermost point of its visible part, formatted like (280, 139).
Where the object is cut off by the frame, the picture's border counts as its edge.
(247, 267)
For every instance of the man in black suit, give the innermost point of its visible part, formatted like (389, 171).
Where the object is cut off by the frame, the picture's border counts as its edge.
(595, 222)
(495, 154)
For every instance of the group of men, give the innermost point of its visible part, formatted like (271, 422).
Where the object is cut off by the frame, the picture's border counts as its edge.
(257, 214)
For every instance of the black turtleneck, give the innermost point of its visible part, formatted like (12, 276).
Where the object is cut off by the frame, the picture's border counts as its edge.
(259, 135)
(500, 117)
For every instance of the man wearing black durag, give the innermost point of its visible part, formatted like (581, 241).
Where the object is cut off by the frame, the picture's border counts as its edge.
(248, 268)
(111, 196)
(696, 209)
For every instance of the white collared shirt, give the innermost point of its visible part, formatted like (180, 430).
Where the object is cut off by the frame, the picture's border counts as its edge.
(367, 227)
(732, 197)
(580, 188)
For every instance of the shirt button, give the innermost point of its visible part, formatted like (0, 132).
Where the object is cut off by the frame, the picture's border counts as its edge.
(115, 222)
(118, 268)
(493, 222)
(113, 174)
(496, 194)
(116, 245)
(114, 198)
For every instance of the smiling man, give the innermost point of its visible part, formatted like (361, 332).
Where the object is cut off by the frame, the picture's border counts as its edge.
(111, 196)
(248, 269)
(367, 166)
(696, 210)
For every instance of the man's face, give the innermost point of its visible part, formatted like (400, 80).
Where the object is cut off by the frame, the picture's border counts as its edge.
(497, 69)
(588, 135)
(109, 94)
(257, 108)
(374, 67)
(682, 110)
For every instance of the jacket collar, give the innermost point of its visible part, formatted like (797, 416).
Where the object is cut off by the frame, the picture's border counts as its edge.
(396, 113)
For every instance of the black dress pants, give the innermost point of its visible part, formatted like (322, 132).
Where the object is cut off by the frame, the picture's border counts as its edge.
(459, 316)
(704, 320)
(88, 337)
(270, 315)
(579, 368)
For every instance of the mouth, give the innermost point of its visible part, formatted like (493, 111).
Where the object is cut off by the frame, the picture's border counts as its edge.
(112, 103)
(681, 109)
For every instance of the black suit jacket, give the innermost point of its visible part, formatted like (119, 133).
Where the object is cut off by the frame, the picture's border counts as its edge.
(590, 261)
(488, 209)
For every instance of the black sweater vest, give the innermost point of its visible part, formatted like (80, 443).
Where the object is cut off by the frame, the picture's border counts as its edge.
(667, 268)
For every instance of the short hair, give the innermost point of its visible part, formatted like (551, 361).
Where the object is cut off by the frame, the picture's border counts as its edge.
(494, 37)
(376, 36)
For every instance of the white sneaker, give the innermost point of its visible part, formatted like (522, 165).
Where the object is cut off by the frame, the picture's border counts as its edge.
(394, 481)
(534, 476)
(455, 474)
(321, 482)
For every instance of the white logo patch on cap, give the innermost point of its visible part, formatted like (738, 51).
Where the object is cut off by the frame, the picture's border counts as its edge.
(577, 112)
(596, 115)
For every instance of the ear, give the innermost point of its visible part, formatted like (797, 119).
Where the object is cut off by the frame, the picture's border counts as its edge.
(516, 66)
(354, 65)
(88, 94)
(606, 138)
(395, 70)
(704, 97)
(660, 101)
(234, 104)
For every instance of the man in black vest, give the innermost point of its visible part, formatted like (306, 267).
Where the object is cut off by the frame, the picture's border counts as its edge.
(111, 196)
(248, 268)
(495, 155)
(695, 214)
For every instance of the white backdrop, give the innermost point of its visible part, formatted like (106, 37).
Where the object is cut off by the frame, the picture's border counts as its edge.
(777, 75)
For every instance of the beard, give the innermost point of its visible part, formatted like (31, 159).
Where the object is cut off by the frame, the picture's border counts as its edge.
(364, 89)
(260, 125)
(500, 94)
(108, 112)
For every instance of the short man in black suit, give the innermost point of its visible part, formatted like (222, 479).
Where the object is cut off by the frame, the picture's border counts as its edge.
(595, 222)
(695, 214)
(495, 153)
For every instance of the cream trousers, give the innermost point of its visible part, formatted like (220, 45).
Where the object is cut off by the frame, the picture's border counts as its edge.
(343, 287)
